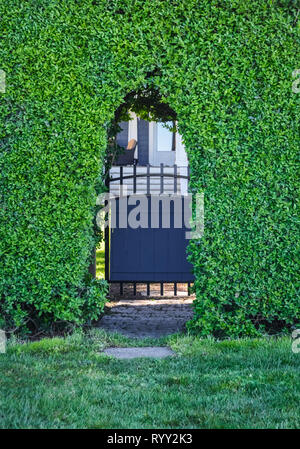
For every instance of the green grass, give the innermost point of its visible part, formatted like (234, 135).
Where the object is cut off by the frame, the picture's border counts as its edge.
(68, 383)
(100, 261)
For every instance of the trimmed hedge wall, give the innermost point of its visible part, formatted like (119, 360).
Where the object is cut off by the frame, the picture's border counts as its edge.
(225, 67)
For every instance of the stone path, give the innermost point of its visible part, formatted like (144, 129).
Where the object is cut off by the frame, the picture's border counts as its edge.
(142, 318)
(158, 352)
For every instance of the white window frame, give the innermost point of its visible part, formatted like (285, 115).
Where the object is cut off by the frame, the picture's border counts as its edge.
(155, 156)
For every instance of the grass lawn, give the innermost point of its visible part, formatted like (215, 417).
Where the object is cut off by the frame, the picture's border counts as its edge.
(100, 261)
(68, 383)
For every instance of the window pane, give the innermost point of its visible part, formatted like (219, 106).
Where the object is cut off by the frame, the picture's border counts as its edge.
(164, 137)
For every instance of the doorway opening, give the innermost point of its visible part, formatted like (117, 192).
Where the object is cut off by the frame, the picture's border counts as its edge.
(146, 158)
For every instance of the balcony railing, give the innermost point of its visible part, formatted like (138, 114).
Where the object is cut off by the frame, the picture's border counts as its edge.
(149, 179)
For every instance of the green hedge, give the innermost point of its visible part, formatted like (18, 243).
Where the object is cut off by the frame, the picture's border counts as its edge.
(225, 67)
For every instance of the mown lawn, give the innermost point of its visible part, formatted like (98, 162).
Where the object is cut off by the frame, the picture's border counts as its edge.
(100, 261)
(68, 383)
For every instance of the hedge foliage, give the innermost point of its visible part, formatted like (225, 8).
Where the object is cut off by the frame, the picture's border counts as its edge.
(225, 67)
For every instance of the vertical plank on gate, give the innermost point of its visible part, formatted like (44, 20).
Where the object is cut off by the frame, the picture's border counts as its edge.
(161, 289)
(121, 180)
(148, 179)
(175, 288)
(148, 288)
(175, 178)
(161, 178)
(134, 179)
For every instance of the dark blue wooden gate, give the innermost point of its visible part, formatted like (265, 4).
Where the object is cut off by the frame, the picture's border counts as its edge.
(148, 254)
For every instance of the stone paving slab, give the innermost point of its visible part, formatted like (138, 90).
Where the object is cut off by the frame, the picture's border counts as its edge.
(157, 352)
(142, 318)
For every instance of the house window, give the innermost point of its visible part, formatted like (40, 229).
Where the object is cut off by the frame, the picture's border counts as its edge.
(165, 137)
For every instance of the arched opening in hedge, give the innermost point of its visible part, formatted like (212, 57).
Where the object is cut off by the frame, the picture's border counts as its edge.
(143, 137)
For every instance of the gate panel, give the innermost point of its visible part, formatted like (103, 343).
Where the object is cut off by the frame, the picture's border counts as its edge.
(147, 254)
